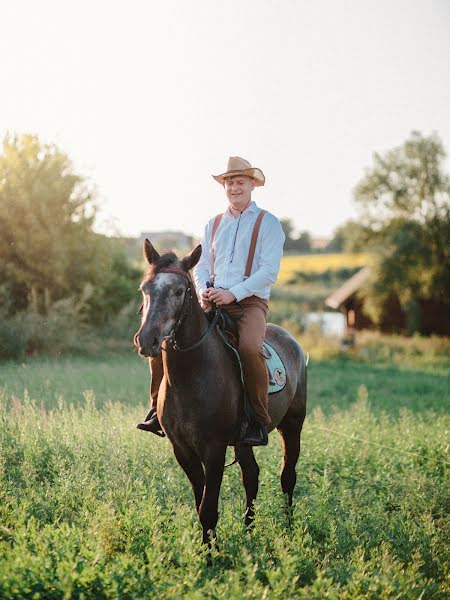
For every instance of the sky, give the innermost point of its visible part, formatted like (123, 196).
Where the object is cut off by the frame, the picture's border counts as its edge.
(149, 98)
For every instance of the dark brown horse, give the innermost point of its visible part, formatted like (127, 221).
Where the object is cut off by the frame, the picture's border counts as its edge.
(200, 398)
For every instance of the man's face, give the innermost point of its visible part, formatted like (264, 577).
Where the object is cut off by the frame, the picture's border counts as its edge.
(239, 190)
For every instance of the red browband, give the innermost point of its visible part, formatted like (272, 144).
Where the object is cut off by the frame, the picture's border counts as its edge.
(176, 271)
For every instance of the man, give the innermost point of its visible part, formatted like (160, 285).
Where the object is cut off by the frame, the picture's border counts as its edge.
(236, 274)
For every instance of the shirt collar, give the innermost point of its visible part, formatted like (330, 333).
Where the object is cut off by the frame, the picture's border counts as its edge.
(251, 208)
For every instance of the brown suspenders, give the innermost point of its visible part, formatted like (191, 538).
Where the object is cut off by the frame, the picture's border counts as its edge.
(251, 251)
(214, 229)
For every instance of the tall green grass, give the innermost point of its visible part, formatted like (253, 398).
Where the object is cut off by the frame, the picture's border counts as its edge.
(92, 508)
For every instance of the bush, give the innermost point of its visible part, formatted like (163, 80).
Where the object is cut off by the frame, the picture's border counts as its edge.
(13, 338)
(31, 333)
(65, 330)
(432, 352)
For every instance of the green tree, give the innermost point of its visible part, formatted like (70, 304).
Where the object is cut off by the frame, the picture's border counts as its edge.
(288, 229)
(294, 242)
(46, 218)
(303, 242)
(119, 286)
(348, 237)
(404, 202)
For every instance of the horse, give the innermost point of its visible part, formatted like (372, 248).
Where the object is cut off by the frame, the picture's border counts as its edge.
(200, 398)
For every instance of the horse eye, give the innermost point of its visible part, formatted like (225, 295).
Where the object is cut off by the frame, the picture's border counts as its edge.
(179, 292)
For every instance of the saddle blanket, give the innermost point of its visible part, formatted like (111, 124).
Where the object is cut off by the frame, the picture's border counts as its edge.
(276, 368)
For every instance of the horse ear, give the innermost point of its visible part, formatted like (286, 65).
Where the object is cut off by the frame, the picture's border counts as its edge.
(192, 259)
(150, 253)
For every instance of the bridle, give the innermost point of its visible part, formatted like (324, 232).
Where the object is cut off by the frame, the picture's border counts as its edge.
(185, 309)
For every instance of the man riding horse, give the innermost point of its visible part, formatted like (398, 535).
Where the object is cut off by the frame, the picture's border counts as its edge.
(240, 260)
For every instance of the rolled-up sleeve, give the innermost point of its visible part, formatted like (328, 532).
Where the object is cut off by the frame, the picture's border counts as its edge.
(271, 250)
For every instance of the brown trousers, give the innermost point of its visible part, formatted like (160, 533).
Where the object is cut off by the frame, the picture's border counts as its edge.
(251, 317)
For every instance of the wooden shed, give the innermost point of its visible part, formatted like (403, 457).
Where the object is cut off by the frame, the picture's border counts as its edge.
(346, 300)
(433, 316)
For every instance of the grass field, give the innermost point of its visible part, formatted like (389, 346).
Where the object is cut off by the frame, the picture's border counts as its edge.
(92, 508)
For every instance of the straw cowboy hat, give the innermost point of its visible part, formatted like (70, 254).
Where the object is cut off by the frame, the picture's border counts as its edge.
(240, 166)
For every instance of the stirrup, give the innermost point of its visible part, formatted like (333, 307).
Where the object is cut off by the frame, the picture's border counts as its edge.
(255, 435)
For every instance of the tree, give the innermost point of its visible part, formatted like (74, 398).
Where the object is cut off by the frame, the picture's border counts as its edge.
(46, 218)
(119, 287)
(288, 229)
(348, 237)
(407, 182)
(303, 242)
(293, 242)
(404, 205)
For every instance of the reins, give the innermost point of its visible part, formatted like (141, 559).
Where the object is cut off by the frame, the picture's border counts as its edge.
(185, 308)
(173, 342)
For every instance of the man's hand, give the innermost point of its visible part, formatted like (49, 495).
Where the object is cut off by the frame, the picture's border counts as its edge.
(218, 296)
(204, 300)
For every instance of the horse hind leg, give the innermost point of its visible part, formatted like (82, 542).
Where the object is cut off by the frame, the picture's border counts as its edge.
(250, 479)
(192, 466)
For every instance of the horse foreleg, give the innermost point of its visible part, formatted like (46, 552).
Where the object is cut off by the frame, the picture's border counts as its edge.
(290, 429)
(192, 466)
(214, 464)
(250, 479)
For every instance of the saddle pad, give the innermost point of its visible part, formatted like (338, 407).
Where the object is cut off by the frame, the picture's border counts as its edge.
(276, 368)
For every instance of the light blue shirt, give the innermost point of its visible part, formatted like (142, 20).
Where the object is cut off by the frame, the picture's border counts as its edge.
(231, 247)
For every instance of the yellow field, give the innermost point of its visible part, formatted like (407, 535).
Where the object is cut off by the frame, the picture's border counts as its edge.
(290, 265)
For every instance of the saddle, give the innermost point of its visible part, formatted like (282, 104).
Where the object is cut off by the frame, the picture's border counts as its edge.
(228, 332)
(275, 366)
(227, 326)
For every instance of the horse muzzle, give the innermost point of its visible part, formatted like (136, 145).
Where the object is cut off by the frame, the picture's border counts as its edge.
(149, 346)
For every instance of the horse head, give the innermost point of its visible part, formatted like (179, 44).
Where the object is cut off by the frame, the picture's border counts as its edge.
(166, 291)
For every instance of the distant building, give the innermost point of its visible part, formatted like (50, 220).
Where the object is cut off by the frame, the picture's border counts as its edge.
(168, 240)
(345, 299)
(433, 316)
(319, 244)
